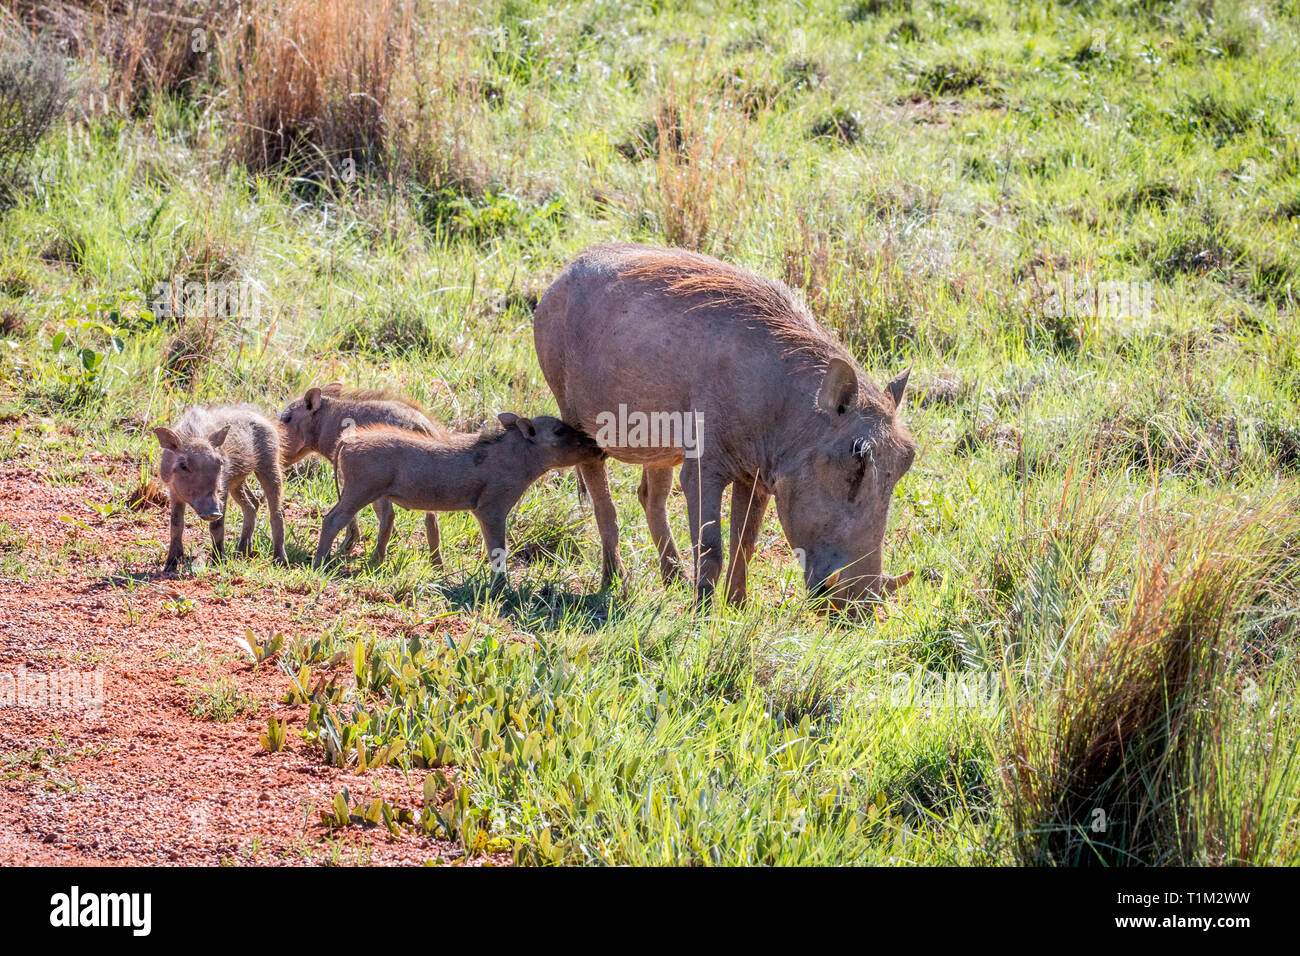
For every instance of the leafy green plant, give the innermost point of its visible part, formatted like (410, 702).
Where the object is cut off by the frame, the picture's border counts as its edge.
(260, 649)
(77, 366)
(342, 812)
(273, 738)
(221, 701)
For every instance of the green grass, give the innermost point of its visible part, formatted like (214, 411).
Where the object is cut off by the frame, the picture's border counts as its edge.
(221, 701)
(921, 171)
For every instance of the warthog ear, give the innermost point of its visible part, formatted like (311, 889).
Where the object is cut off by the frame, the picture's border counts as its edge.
(167, 438)
(895, 388)
(312, 399)
(525, 426)
(218, 436)
(839, 391)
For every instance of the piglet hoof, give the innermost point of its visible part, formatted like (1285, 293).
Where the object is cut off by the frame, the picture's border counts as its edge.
(171, 566)
(281, 558)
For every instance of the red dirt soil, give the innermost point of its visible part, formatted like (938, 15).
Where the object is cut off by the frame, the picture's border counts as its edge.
(141, 780)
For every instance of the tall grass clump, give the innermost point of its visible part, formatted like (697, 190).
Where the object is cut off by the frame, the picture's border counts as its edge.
(157, 48)
(311, 83)
(699, 194)
(1136, 755)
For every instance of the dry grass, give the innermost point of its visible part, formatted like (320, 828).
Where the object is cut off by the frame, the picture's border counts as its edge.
(311, 83)
(700, 193)
(860, 286)
(160, 47)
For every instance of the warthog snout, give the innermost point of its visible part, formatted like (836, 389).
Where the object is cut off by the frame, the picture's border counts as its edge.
(840, 590)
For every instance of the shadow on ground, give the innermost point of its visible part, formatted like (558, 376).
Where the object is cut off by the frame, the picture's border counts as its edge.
(541, 606)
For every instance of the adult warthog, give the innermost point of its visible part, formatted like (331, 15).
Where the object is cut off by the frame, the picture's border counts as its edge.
(668, 358)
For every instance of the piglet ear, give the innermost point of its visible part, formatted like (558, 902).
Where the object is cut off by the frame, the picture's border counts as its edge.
(218, 436)
(333, 388)
(511, 420)
(167, 438)
(312, 399)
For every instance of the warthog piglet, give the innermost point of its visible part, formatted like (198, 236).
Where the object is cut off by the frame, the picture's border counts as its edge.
(206, 459)
(485, 474)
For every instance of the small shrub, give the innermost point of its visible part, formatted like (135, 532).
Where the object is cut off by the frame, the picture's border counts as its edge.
(161, 47)
(841, 125)
(221, 701)
(699, 195)
(34, 90)
(150, 493)
(864, 293)
(13, 323)
(1126, 761)
(188, 350)
(947, 78)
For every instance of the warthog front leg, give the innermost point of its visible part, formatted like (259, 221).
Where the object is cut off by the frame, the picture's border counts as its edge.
(748, 505)
(432, 535)
(175, 547)
(218, 530)
(248, 506)
(656, 483)
(593, 476)
(704, 510)
(270, 479)
(492, 522)
(384, 509)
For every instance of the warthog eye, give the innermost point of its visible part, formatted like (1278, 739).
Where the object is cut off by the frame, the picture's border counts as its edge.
(862, 449)
(181, 466)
